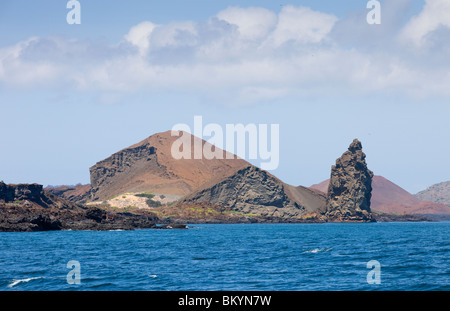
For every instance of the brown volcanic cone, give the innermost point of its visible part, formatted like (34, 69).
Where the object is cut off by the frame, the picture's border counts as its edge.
(149, 166)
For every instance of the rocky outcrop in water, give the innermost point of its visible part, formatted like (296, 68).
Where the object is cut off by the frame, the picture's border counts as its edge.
(387, 197)
(19, 217)
(350, 188)
(27, 207)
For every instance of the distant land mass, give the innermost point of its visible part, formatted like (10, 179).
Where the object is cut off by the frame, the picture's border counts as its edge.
(230, 182)
(438, 193)
(390, 198)
(216, 185)
(146, 182)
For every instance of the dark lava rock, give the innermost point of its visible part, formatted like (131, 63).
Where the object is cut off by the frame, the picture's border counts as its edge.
(350, 189)
(254, 192)
(96, 214)
(26, 207)
(389, 217)
(21, 192)
(46, 223)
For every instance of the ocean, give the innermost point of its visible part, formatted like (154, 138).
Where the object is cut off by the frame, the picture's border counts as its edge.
(231, 257)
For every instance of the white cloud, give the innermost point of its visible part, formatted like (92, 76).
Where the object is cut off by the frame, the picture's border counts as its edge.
(435, 14)
(139, 35)
(252, 23)
(302, 25)
(240, 55)
(14, 70)
(174, 34)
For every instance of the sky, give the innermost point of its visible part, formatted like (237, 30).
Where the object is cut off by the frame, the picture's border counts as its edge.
(73, 94)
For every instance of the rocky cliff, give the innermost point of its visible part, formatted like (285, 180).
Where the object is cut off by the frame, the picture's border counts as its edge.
(350, 188)
(10, 193)
(252, 191)
(32, 195)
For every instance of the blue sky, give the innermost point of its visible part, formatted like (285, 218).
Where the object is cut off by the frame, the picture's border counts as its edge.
(71, 95)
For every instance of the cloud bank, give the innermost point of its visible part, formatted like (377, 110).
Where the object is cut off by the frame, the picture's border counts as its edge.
(247, 55)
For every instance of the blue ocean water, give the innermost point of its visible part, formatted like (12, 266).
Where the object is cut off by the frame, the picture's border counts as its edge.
(412, 256)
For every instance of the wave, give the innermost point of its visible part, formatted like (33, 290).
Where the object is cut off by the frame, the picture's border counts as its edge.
(317, 250)
(16, 282)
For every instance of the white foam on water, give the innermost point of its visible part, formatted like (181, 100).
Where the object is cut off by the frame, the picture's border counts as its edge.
(317, 250)
(16, 282)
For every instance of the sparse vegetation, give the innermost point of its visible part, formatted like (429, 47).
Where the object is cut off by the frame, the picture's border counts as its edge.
(129, 209)
(242, 214)
(148, 195)
(153, 203)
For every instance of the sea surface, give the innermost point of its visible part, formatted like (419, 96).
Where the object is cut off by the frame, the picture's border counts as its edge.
(261, 257)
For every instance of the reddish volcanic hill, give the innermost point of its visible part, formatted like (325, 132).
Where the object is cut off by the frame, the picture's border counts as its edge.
(150, 166)
(227, 181)
(390, 198)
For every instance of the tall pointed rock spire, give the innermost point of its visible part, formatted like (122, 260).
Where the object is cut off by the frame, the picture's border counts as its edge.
(350, 189)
